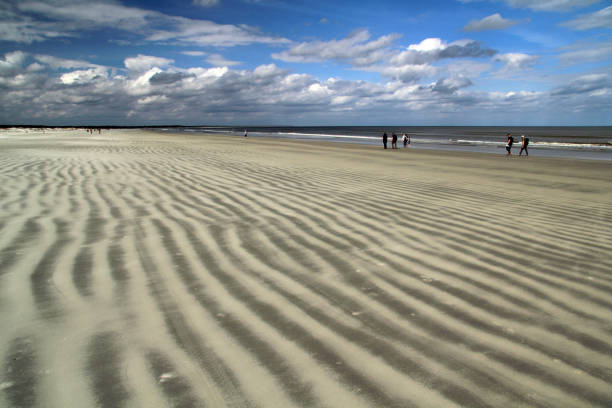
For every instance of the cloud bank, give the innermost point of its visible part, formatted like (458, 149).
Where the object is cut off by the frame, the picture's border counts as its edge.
(151, 90)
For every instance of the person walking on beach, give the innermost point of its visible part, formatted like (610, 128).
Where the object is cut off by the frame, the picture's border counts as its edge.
(385, 139)
(404, 139)
(393, 141)
(245, 133)
(509, 144)
(524, 143)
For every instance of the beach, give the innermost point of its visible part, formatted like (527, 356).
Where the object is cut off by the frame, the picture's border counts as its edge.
(148, 269)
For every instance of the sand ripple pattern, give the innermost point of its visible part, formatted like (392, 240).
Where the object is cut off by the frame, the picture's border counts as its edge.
(155, 270)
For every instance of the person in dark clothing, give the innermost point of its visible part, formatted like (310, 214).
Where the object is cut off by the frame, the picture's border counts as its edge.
(385, 139)
(509, 144)
(393, 141)
(524, 144)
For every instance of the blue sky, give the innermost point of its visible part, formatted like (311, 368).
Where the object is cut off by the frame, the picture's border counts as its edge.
(283, 62)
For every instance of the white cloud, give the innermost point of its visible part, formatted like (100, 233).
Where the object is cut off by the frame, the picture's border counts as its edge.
(153, 99)
(268, 71)
(434, 49)
(12, 63)
(408, 73)
(544, 5)
(585, 84)
(492, 22)
(550, 5)
(194, 53)
(514, 62)
(451, 85)
(467, 68)
(62, 63)
(408, 66)
(27, 31)
(268, 92)
(428, 45)
(31, 21)
(188, 31)
(141, 85)
(92, 14)
(598, 19)
(355, 49)
(84, 76)
(220, 61)
(588, 52)
(145, 62)
(205, 3)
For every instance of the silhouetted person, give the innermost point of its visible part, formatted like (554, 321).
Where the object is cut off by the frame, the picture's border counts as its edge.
(245, 133)
(393, 141)
(385, 139)
(509, 144)
(524, 144)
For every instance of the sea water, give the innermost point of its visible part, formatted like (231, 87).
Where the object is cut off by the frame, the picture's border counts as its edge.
(584, 142)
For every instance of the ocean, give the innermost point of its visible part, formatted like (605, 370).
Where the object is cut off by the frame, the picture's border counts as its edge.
(583, 142)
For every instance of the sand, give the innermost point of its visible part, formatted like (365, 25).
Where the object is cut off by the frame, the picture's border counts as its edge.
(140, 269)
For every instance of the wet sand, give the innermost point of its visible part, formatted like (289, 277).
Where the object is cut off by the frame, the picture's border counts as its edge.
(154, 270)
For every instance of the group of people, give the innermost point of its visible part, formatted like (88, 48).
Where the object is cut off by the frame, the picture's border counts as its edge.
(510, 142)
(405, 140)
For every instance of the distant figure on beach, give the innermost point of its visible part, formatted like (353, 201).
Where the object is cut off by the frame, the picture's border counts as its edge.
(245, 133)
(509, 144)
(524, 144)
(385, 139)
(393, 141)
(405, 140)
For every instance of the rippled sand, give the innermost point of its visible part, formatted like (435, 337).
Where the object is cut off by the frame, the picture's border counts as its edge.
(154, 270)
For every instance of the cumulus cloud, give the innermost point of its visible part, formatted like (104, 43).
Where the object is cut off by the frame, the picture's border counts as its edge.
(145, 62)
(514, 62)
(451, 85)
(598, 19)
(163, 93)
(408, 73)
(166, 78)
(12, 62)
(408, 66)
(492, 22)
(434, 49)
(84, 76)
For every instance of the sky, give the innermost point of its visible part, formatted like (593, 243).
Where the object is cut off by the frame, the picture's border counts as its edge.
(306, 62)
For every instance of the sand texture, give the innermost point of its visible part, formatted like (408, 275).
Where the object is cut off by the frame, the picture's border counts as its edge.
(151, 270)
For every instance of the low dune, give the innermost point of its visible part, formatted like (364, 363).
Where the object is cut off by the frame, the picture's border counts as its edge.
(141, 269)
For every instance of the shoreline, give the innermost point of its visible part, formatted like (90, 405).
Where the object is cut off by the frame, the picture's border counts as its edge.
(542, 147)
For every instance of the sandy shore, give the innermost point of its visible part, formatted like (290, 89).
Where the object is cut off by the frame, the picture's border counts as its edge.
(151, 270)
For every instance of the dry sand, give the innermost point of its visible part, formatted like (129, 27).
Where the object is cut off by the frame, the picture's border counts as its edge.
(150, 270)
